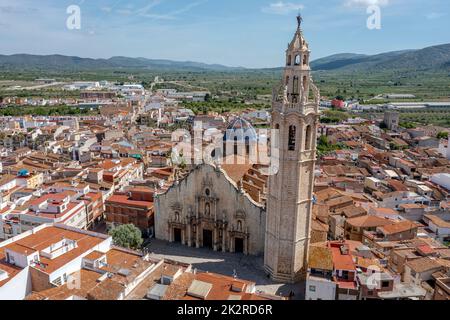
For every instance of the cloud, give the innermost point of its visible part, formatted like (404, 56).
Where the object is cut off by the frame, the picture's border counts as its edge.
(435, 15)
(282, 8)
(149, 12)
(17, 10)
(366, 3)
(106, 9)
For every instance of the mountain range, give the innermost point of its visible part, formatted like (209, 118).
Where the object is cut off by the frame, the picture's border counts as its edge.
(68, 63)
(427, 59)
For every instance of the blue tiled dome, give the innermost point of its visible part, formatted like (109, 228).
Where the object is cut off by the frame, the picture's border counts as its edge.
(242, 129)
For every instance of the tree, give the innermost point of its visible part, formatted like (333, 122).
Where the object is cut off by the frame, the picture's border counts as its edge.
(127, 236)
(383, 125)
(442, 135)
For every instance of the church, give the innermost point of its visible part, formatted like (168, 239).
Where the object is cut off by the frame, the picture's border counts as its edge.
(236, 208)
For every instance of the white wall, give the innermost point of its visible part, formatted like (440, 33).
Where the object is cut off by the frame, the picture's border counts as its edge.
(18, 287)
(76, 264)
(324, 289)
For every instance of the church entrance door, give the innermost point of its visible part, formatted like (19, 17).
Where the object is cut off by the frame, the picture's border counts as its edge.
(177, 235)
(238, 245)
(207, 239)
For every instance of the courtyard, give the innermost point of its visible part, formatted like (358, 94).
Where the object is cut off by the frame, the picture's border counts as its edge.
(230, 264)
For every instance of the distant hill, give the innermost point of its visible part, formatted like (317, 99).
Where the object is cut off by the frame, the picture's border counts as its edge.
(428, 59)
(431, 58)
(66, 63)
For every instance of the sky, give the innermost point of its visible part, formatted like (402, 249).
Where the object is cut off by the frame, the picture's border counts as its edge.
(247, 33)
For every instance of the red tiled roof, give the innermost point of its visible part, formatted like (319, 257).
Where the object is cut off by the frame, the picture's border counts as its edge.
(125, 200)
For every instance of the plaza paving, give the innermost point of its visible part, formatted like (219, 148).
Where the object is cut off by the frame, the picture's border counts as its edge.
(245, 267)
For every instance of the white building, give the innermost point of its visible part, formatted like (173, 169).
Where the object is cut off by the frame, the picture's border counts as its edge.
(442, 179)
(440, 227)
(318, 288)
(48, 253)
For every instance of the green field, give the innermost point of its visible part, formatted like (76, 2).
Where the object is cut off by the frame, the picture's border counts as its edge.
(409, 118)
(242, 89)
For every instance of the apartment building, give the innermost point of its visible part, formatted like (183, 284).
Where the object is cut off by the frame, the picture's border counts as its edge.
(135, 207)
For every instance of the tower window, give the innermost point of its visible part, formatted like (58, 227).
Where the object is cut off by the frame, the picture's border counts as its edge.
(247, 145)
(297, 60)
(308, 142)
(305, 61)
(289, 60)
(295, 86)
(292, 134)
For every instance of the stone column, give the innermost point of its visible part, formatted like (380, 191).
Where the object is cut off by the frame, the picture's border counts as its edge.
(246, 245)
(197, 244)
(215, 232)
(224, 240)
(189, 232)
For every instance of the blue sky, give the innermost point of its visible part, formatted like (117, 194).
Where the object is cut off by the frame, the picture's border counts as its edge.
(250, 33)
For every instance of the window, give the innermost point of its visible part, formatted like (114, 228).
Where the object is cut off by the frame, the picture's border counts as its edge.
(292, 134)
(247, 145)
(58, 281)
(312, 288)
(297, 60)
(9, 258)
(385, 284)
(295, 88)
(207, 192)
(308, 142)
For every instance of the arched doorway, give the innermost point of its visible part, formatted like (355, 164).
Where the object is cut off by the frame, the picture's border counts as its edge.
(238, 245)
(208, 239)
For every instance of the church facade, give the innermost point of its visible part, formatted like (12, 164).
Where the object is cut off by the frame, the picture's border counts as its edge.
(208, 209)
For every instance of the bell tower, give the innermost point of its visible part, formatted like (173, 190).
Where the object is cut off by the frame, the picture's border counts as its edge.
(295, 114)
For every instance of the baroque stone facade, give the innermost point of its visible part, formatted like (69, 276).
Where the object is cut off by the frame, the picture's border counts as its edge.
(208, 209)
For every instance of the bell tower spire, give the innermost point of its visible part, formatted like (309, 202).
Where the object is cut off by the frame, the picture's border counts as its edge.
(295, 115)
